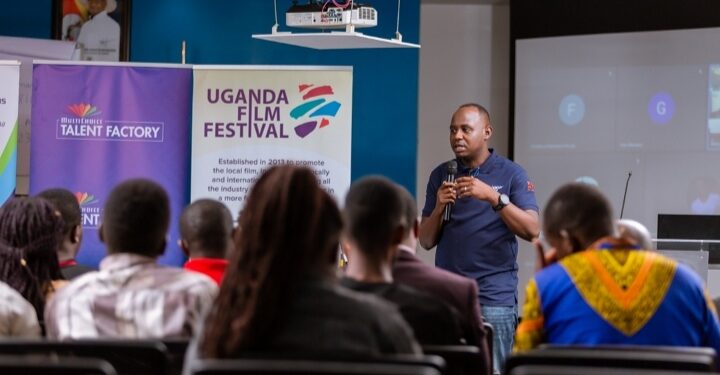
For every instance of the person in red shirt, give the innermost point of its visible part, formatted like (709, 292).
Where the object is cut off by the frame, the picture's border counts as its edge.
(206, 230)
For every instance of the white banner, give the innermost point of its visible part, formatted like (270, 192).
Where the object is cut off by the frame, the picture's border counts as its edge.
(249, 118)
(25, 50)
(9, 104)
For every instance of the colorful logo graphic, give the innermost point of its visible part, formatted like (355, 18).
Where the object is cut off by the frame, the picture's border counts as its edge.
(315, 107)
(85, 198)
(84, 110)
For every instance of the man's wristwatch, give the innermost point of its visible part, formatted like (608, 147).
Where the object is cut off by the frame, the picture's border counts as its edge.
(503, 200)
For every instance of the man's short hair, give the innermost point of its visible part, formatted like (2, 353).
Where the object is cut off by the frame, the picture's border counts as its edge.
(136, 218)
(67, 204)
(479, 108)
(581, 210)
(374, 208)
(206, 226)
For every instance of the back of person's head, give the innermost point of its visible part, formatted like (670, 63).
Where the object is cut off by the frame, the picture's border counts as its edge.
(635, 233)
(67, 204)
(136, 218)
(411, 216)
(375, 218)
(30, 233)
(576, 215)
(206, 229)
(289, 232)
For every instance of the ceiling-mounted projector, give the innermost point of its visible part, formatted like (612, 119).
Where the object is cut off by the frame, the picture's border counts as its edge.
(330, 14)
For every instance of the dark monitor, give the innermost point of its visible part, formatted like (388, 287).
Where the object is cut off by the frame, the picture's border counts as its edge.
(690, 232)
(689, 227)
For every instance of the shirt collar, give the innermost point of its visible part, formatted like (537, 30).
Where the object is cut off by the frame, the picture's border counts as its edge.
(483, 168)
(609, 243)
(124, 260)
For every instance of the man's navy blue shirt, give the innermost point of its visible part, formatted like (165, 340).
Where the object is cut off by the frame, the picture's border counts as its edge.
(476, 242)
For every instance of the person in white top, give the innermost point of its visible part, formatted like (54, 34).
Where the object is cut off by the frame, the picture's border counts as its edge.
(17, 315)
(99, 37)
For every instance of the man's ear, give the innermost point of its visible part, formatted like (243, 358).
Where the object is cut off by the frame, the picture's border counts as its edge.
(184, 247)
(488, 132)
(398, 235)
(567, 244)
(101, 232)
(76, 235)
(346, 247)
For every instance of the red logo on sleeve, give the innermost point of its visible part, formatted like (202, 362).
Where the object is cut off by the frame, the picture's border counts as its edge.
(531, 186)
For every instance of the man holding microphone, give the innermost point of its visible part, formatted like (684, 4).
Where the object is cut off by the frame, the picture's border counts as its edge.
(490, 202)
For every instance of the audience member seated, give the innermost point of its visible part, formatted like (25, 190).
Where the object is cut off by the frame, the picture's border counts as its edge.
(131, 296)
(280, 294)
(66, 203)
(635, 233)
(30, 234)
(206, 237)
(459, 292)
(17, 316)
(603, 291)
(375, 216)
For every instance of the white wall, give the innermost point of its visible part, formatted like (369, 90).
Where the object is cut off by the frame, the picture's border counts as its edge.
(465, 57)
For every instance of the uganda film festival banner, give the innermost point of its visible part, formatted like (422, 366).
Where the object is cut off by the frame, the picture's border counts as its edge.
(249, 118)
(9, 105)
(95, 125)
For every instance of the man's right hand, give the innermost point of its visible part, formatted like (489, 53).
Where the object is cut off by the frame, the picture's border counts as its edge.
(544, 258)
(445, 194)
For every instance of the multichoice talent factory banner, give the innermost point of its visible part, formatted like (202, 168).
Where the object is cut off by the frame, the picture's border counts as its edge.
(95, 125)
(9, 104)
(249, 118)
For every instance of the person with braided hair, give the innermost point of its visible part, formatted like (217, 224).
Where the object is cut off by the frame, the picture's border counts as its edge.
(30, 233)
(280, 293)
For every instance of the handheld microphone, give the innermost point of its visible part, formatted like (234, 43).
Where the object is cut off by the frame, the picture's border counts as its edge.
(452, 171)
(627, 182)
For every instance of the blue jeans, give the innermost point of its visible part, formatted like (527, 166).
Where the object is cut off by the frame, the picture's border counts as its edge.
(504, 321)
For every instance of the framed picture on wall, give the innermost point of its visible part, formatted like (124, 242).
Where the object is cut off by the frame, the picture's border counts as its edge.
(101, 28)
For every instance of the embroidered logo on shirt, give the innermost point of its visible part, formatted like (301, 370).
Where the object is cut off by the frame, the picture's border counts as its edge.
(530, 186)
(497, 187)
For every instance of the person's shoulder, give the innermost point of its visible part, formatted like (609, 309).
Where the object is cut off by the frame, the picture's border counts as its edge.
(86, 280)
(507, 164)
(407, 296)
(431, 274)
(10, 296)
(182, 279)
(683, 273)
(365, 305)
(552, 273)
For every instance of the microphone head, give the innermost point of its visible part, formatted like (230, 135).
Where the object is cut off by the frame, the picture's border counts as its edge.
(452, 167)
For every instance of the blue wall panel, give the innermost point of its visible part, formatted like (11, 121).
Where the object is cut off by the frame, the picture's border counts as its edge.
(219, 32)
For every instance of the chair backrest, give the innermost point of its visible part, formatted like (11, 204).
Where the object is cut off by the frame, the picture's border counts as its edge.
(31, 365)
(176, 349)
(694, 350)
(583, 370)
(306, 367)
(459, 359)
(126, 356)
(427, 360)
(621, 358)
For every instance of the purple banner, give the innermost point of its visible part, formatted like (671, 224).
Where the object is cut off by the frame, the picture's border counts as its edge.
(95, 126)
